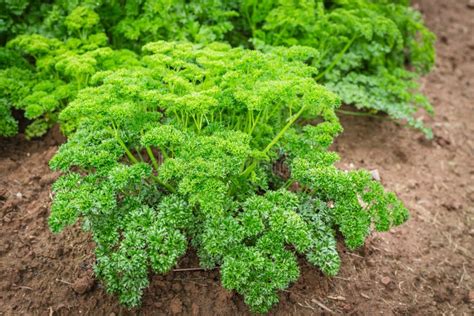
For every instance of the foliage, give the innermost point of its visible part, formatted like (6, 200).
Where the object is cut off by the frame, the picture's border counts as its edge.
(129, 23)
(364, 47)
(68, 47)
(175, 145)
(181, 151)
(45, 74)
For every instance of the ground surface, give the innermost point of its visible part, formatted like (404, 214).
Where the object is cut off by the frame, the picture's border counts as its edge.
(424, 267)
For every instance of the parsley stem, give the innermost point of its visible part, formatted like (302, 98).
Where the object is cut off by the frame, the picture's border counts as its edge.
(152, 158)
(337, 59)
(127, 151)
(164, 185)
(353, 113)
(293, 119)
(284, 129)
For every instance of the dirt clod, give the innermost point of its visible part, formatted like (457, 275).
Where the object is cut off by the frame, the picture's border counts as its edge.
(83, 284)
(176, 306)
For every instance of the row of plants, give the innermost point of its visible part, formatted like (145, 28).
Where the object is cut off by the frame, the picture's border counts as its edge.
(207, 124)
(370, 53)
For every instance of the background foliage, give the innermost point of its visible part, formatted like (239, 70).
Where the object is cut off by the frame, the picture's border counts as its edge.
(363, 47)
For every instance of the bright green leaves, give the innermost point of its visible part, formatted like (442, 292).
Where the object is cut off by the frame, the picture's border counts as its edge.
(258, 272)
(125, 271)
(8, 125)
(200, 21)
(81, 21)
(204, 167)
(152, 239)
(34, 45)
(252, 247)
(89, 148)
(360, 50)
(14, 82)
(164, 137)
(60, 69)
(76, 66)
(67, 204)
(165, 248)
(123, 176)
(179, 143)
(131, 236)
(363, 48)
(181, 148)
(358, 201)
(391, 91)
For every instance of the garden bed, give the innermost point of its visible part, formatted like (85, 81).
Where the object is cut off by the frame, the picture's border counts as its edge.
(422, 267)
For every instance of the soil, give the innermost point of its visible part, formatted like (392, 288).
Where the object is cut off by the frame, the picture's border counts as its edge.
(423, 267)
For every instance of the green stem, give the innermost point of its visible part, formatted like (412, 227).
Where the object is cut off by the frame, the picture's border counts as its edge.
(125, 148)
(255, 123)
(284, 129)
(152, 158)
(165, 185)
(293, 119)
(140, 156)
(361, 114)
(337, 59)
(288, 183)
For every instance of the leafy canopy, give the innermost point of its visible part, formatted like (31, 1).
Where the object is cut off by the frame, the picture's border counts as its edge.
(182, 150)
(45, 74)
(369, 52)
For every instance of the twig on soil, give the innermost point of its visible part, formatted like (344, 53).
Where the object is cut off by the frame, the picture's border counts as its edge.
(337, 298)
(449, 238)
(51, 312)
(355, 255)
(23, 287)
(65, 282)
(443, 262)
(341, 278)
(408, 268)
(364, 295)
(400, 286)
(376, 248)
(435, 219)
(322, 305)
(463, 250)
(462, 275)
(306, 306)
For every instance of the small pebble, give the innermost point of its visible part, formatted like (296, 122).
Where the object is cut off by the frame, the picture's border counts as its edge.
(375, 175)
(386, 280)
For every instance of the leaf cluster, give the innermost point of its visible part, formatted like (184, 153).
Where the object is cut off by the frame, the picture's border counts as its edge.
(180, 151)
(44, 75)
(364, 49)
(371, 53)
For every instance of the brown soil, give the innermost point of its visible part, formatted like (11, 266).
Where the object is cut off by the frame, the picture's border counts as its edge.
(423, 267)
